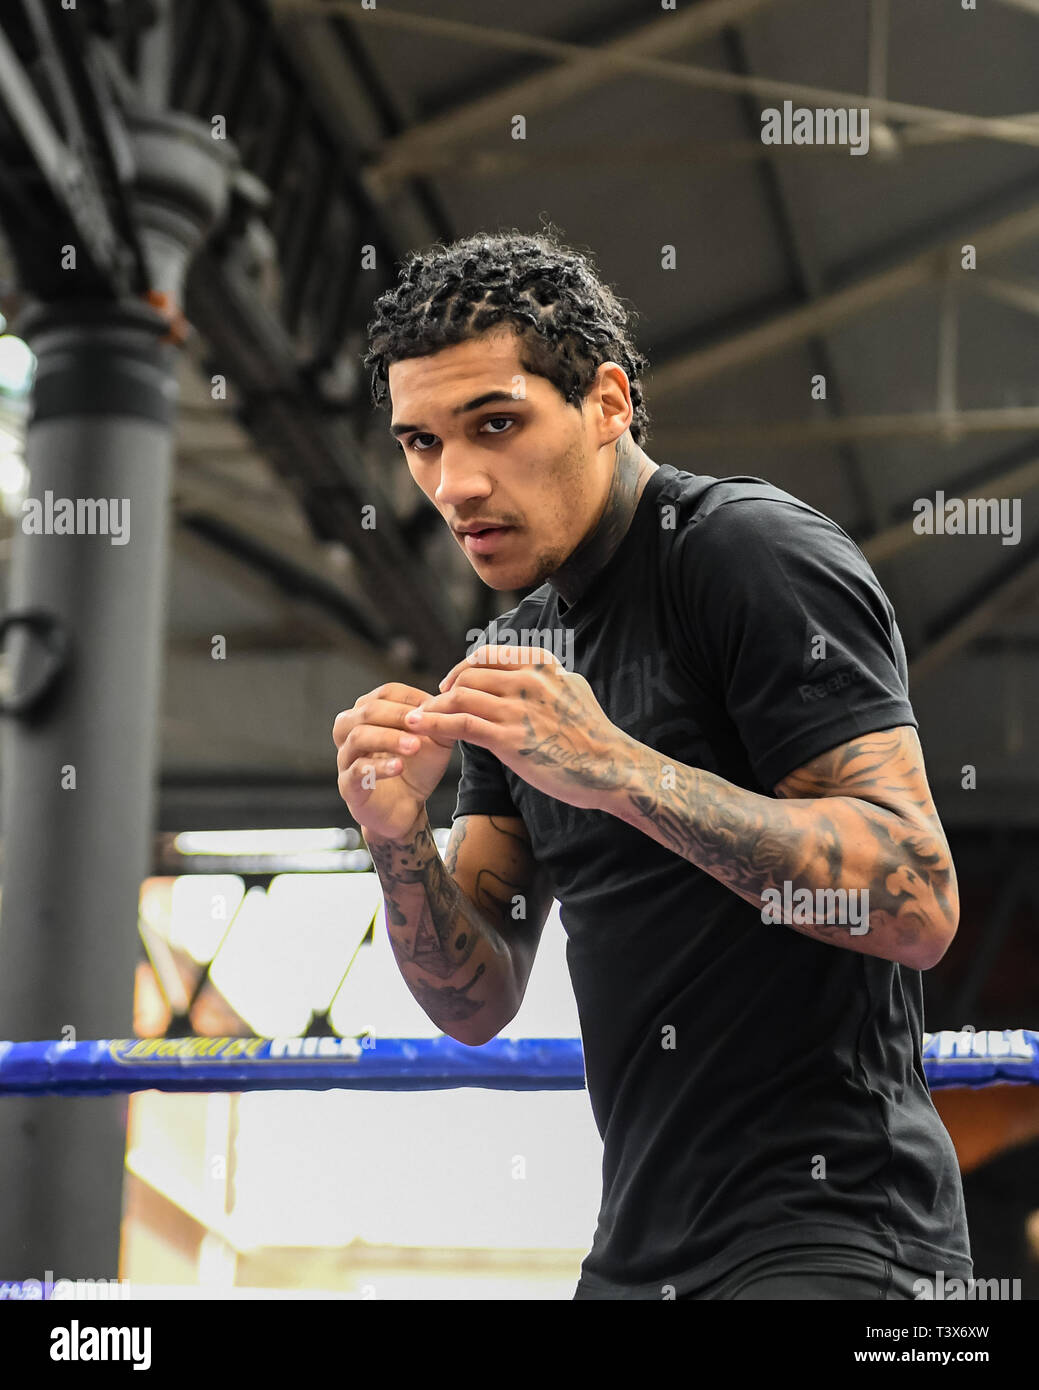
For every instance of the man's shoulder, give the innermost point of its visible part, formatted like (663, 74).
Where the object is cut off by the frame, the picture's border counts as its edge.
(736, 502)
(717, 519)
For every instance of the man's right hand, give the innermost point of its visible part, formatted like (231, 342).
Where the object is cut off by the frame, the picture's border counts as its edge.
(386, 772)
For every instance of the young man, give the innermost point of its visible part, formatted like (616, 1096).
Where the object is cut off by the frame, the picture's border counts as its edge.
(719, 780)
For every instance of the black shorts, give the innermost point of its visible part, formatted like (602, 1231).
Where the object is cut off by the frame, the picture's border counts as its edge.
(816, 1272)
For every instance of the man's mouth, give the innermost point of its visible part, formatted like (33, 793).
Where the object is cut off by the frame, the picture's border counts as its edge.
(485, 540)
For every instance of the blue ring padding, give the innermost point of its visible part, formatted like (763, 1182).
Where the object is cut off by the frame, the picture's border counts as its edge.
(980, 1058)
(395, 1064)
(313, 1064)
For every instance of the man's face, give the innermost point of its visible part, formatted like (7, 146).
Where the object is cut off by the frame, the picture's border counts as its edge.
(531, 466)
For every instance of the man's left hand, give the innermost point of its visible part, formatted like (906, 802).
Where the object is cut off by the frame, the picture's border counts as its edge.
(540, 720)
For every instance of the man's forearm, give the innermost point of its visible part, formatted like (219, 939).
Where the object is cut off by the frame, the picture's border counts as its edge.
(758, 844)
(452, 957)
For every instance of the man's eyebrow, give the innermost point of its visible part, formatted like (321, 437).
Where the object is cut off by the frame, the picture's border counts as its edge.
(474, 404)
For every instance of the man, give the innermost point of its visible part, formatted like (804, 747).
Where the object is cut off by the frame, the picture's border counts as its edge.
(726, 795)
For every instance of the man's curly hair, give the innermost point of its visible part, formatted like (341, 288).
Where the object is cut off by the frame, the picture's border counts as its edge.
(567, 320)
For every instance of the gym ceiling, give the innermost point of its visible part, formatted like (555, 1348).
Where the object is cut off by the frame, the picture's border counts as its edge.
(754, 269)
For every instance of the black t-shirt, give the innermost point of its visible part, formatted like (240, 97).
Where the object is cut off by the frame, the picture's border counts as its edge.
(789, 1105)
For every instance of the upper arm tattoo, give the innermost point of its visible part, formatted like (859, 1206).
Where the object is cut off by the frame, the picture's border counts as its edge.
(886, 770)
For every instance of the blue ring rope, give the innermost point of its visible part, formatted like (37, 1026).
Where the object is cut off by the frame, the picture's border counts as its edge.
(119, 1066)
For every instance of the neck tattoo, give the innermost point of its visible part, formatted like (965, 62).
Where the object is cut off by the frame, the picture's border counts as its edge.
(630, 474)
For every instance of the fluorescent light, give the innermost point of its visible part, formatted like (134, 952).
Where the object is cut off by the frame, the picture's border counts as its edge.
(13, 472)
(250, 842)
(14, 476)
(17, 365)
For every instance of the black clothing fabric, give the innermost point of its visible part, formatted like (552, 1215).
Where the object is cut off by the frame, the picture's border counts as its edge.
(753, 1088)
(819, 1272)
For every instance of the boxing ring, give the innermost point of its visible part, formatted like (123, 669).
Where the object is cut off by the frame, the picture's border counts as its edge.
(368, 1062)
(951, 1059)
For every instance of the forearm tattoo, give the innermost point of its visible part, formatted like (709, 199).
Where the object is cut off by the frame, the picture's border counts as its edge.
(859, 816)
(435, 928)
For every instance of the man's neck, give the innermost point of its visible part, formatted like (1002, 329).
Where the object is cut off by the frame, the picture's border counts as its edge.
(631, 472)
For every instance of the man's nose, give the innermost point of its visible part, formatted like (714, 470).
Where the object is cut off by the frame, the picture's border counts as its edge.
(460, 477)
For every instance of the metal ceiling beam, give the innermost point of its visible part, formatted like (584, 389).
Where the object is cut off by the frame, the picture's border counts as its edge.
(507, 161)
(618, 59)
(583, 71)
(229, 59)
(95, 129)
(502, 161)
(939, 132)
(925, 268)
(803, 269)
(62, 163)
(790, 433)
(1019, 294)
(1012, 483)
(317, 458)
(994, 600)
(297, 583)
(303, 624)
(998, 599)
(284, 350)
(155, 56)
(265, 519)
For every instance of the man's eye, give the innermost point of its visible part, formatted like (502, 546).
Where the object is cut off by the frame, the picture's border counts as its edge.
(505, 420)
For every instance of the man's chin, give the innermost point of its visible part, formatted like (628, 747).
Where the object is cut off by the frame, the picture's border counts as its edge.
(499, 580)
(507, 581)
(509, 578)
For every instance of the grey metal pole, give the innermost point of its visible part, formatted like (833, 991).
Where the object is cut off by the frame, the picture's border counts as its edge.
(78, 790)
